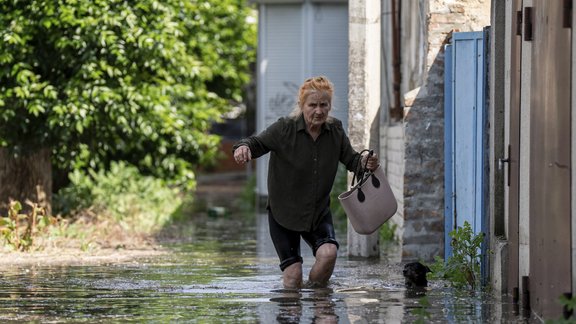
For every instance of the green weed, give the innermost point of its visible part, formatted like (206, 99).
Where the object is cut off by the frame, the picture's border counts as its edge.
(86, 246)
(19, 231)
(462, 269)
(569, 304)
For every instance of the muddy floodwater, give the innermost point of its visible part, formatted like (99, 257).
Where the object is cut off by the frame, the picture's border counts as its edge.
(230, 274)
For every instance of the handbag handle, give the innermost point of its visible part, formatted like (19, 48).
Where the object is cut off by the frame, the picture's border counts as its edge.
(359, 174)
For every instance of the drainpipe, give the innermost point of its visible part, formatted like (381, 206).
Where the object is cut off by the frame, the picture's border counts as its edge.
(396, 109)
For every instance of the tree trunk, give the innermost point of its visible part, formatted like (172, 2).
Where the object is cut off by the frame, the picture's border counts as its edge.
(25, 177)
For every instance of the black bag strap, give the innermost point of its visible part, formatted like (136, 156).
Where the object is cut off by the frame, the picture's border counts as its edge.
(360, 171)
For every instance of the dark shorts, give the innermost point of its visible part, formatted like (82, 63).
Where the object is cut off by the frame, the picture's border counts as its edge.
(287, 242)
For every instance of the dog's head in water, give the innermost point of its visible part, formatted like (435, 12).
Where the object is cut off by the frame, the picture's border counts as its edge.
(415, 275)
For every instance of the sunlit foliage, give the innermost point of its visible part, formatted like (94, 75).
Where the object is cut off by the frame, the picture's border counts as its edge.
(106, 80)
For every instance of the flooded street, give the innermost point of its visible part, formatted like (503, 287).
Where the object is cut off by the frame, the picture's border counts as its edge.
(230, 274)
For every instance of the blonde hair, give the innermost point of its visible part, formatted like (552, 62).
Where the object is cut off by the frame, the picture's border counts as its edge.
(310, 85)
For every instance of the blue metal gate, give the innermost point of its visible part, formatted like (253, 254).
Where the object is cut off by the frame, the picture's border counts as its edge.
(465, 134)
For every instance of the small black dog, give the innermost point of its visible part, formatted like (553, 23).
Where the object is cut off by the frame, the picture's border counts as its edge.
(415, 275)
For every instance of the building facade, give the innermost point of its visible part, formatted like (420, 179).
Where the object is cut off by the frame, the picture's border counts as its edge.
(387, 60)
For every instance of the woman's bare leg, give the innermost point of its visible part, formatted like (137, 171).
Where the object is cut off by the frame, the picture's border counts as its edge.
(324, 266)
(292, 276)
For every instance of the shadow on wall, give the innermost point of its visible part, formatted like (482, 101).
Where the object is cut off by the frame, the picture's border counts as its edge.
(424, 167)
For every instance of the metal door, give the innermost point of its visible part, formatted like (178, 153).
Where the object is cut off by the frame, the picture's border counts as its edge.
(465, 133)
(550, 163)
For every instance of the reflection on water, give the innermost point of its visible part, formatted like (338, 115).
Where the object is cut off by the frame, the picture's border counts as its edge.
(230, 274)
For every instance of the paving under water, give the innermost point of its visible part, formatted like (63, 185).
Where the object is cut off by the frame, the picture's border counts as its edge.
(229, 273)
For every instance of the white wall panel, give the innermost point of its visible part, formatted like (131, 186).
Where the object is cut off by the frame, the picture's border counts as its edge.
(330, 52)
(296, 41)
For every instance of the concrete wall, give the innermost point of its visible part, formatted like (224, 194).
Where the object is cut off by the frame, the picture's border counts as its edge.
(524, 194)
(364, 97)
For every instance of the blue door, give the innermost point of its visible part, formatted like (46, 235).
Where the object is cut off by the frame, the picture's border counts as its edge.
(465, 134)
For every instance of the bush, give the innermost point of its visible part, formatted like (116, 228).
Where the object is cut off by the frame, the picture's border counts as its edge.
(140, 203)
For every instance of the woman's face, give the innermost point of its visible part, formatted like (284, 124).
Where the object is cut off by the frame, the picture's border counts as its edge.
(316, 107)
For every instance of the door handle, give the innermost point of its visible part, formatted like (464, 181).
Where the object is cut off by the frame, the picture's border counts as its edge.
(507, 161)
(501, 163)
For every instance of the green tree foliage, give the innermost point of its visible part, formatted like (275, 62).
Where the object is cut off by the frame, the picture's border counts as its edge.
(134, 80)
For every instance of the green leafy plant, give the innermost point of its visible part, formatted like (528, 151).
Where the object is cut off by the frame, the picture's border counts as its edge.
(462, 269)
(138, 202)
(388, 232)
(19, 230)
(569, 304)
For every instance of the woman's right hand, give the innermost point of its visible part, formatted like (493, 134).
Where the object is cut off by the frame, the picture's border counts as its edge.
(370, 161)
(242, 154)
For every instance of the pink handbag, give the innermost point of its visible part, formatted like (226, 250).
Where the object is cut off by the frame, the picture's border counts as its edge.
(370, 202)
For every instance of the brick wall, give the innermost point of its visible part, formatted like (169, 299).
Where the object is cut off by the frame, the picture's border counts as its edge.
(394, 162)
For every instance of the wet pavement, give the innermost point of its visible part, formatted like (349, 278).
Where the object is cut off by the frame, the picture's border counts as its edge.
(229, 274)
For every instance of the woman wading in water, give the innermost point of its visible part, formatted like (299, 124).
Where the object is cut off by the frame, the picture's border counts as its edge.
(305, 150)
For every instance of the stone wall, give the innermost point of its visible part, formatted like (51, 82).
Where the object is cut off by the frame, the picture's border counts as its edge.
(424, 177)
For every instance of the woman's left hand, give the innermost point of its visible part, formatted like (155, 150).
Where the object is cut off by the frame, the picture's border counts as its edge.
(372, 163)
